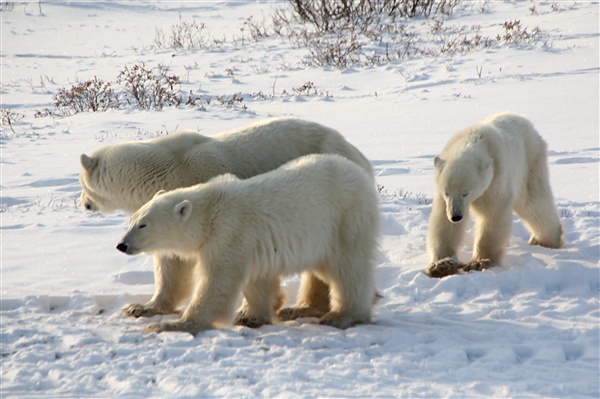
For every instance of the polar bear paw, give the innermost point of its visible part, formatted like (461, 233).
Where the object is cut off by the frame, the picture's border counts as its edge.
(288, 314)
(156, 328)
(182, 326)
(335, 319)
(138, 310)
(444, 267)
(249, 321)
(478, 265)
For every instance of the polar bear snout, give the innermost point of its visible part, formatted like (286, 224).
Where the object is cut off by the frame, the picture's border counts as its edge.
(455, 210)
(86, 203)
(127, 248)
(456, 218)
(123, 247)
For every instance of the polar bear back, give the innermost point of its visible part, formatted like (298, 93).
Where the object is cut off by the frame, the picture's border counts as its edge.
(266, 145)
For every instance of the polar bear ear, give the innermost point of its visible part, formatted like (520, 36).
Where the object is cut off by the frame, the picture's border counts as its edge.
(183, 209)
(438, 163)
(159, 193)
(484, 166)
(88, 163)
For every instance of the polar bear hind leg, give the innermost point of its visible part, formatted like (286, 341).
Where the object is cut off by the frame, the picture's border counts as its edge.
(536, 207)
(352, 288)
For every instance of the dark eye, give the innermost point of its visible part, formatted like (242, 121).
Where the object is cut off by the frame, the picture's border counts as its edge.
(465, 194)
(142, 225)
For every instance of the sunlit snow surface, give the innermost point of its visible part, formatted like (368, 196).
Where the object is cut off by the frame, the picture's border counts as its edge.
(527, 329)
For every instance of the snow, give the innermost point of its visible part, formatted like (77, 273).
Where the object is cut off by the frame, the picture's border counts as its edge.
(529, 328)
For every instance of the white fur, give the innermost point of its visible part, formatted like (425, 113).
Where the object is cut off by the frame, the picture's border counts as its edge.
(125, 176)
(317, 214)
(492, 168)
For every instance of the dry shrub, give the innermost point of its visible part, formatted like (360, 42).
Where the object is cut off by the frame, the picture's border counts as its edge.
(91, 95)
(150, 88)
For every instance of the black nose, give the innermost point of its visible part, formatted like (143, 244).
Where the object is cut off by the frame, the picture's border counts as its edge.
(456, 218)
(122, 246)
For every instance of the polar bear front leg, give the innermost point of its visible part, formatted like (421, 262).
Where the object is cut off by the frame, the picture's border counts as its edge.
(213, 301)
(262, 298)
(444, 267)
(313, 299)
(443, 239)
(493, 230)
(173, 279)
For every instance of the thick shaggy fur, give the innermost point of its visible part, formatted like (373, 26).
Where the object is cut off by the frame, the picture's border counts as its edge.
(125, 176)
(492, 168)
(317, 214)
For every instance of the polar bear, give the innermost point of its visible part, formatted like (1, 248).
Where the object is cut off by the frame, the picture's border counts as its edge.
(492, 168)
(125, 176)
(317, 214)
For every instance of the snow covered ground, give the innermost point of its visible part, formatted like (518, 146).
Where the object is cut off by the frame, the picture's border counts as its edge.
(527, 329)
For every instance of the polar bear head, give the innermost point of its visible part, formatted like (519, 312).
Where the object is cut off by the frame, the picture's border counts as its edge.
(107, 181)
(94, 194)
(161, 225)
(177, 222)
(124, 177)
(461, 181)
